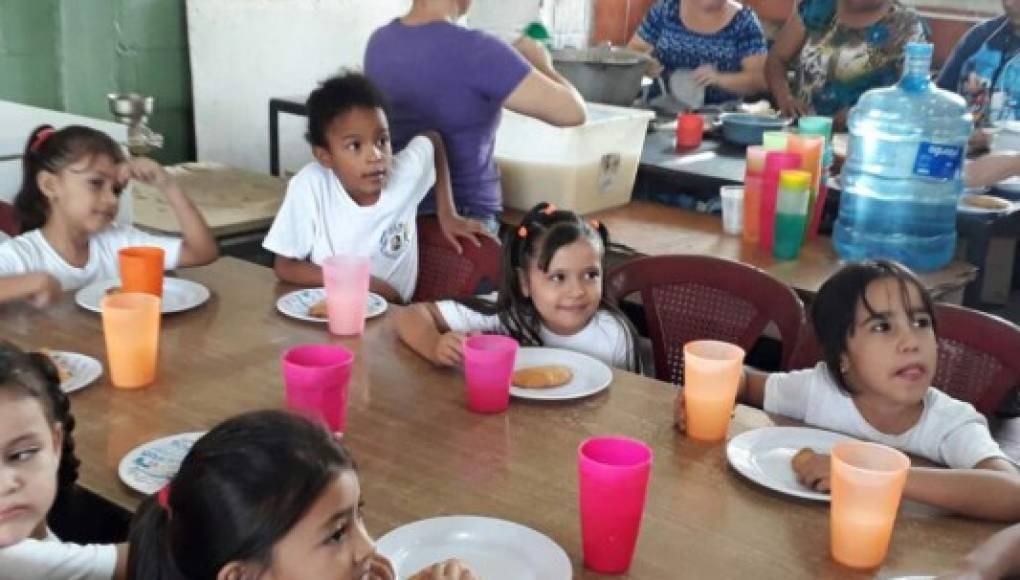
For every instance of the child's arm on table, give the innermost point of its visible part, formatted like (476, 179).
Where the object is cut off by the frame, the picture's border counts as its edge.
(997, 557)
(452, 224)
(423, 329)
(39, 288)
(985, 492)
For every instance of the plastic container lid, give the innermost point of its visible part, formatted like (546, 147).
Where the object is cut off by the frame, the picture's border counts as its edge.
(794, 179)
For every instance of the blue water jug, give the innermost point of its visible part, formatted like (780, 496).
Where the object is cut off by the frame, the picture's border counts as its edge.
(902, 178)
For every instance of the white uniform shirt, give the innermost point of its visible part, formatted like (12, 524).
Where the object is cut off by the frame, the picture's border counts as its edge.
(949, 431)
(318, 218)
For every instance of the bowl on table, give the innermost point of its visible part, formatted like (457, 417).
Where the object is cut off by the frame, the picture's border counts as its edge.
(748, 128)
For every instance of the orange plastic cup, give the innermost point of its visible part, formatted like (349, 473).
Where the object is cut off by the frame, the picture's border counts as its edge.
(867, 483)
(141, 270)
(712, 372)
(131, 328)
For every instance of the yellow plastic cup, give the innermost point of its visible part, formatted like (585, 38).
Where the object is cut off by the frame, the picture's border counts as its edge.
(712, 371)
(867, 483)
(131, 328)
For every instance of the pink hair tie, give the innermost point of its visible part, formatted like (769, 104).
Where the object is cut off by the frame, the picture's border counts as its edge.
(41, 138)
(163, 498)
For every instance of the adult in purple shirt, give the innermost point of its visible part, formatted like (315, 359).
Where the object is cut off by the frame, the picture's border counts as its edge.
(439, 76)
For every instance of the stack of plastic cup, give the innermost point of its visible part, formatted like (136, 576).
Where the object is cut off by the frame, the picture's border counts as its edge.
(753, 178)
(775, 163)
(791, 213)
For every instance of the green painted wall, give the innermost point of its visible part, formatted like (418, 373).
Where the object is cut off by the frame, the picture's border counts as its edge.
(84, 49)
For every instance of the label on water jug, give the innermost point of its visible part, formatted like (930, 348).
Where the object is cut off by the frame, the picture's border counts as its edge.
(938, 161)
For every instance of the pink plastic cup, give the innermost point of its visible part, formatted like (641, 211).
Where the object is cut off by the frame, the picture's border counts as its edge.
(316, 378)
(346, 279)
(613, 477)
(488, 368)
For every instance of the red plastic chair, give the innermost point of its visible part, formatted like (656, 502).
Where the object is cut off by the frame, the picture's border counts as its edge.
(443, 273)
(700, 297)
(8, 220)
(978, 356)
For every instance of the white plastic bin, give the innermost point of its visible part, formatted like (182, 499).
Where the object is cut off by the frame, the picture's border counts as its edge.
(585, 168)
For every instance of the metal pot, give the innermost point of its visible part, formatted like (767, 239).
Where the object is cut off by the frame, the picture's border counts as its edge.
(747, 129)
(603, 75)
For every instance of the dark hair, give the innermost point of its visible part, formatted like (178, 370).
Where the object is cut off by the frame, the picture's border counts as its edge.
(541, 233)
(53, 153)
(834, 310)
(239, 490)
(34, 375)
(336, 96)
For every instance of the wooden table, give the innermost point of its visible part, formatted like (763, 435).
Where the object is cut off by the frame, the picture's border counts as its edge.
(233, 201)
(422, 454)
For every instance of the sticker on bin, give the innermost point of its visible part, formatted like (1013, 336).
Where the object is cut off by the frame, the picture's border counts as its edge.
(938, 161)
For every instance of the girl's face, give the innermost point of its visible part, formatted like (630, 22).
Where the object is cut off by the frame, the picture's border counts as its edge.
(891, 353)
(85, 194)
(28, 467)
(568, 295)
(359, 151)
(330, 541)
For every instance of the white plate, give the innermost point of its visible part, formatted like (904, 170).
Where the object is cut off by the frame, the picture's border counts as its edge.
(764, 456)
(964, 207)
(178, 294)
(82, 368)
(590, 374)
(147, 468)
(296, 304)
(494, 549)
(1011, 185)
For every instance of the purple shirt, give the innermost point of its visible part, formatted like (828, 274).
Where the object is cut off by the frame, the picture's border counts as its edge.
(443, 77)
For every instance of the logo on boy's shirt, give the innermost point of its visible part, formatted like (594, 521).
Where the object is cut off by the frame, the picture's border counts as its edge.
(394, 239)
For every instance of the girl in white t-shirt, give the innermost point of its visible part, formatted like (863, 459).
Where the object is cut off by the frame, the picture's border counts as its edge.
(550, 295)
(66, 206)
(876, 326)
(38, 468)
(267, 494)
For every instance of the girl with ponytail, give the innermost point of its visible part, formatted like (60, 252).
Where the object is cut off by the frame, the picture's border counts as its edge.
(551, 294)
(66, 206)
(38, 466)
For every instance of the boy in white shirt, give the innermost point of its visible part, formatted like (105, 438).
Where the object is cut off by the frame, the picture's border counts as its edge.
(357, 198)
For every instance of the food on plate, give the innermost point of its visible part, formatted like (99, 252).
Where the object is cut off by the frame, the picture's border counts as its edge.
(318, 310)
(62, 371)
(542, 377)
(986, 202)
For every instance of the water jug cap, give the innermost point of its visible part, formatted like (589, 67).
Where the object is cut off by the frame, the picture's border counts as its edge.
(794, 179)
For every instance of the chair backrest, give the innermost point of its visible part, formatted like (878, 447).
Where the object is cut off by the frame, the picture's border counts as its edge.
(8, 220)
(700, 297)
(978, 356)
(443, 273)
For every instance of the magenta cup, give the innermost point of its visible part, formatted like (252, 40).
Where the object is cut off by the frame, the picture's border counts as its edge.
(316, 378)
(346, 279)
(488, 367)
(613, 476)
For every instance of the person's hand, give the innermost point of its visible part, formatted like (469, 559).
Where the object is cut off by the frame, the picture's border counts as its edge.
(454, 227)
(44, 289)
(813, 471)
(654, 68)
(706, 75)
(448, 570)
(790, 107)
(380, 568)
(146, 171)
(680, 412)
(449, 349)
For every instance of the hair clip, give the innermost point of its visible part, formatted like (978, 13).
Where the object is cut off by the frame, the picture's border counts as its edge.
(522, 232)
(41, 138)
(163, 498)
(549, 209)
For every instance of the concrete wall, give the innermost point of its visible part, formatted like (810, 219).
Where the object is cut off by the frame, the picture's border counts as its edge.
(68, 54)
